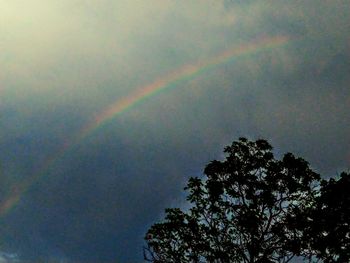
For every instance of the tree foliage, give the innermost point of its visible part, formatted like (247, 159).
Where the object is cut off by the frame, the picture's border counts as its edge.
(246, 209)
(327, 237)
(252, 207)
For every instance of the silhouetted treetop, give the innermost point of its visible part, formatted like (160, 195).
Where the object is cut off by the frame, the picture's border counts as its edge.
(252, 207)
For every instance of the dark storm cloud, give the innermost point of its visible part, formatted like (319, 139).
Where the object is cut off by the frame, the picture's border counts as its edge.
(96, 201)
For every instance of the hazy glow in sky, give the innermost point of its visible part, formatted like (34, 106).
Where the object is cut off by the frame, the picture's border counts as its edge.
(69, 66)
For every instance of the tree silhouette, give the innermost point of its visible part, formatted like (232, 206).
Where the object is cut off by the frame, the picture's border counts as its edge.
(250, 207)
(328, 233)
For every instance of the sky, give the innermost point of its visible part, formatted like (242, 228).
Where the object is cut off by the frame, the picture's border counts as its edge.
(108, 107)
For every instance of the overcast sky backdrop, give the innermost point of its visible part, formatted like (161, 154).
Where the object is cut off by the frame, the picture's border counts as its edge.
(64, 62)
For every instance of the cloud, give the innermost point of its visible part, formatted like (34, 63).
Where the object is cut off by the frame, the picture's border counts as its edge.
(8, 257)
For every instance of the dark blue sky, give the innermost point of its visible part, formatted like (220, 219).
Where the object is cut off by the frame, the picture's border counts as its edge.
(63, 63)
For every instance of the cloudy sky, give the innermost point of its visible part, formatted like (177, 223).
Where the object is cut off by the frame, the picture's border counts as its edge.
(107, 107)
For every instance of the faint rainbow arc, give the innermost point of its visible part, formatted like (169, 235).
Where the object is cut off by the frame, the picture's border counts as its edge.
(120, 106)
(183, 73)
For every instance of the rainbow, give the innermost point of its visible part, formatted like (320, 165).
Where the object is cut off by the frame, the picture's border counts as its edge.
(181, 74)
(119, 106)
